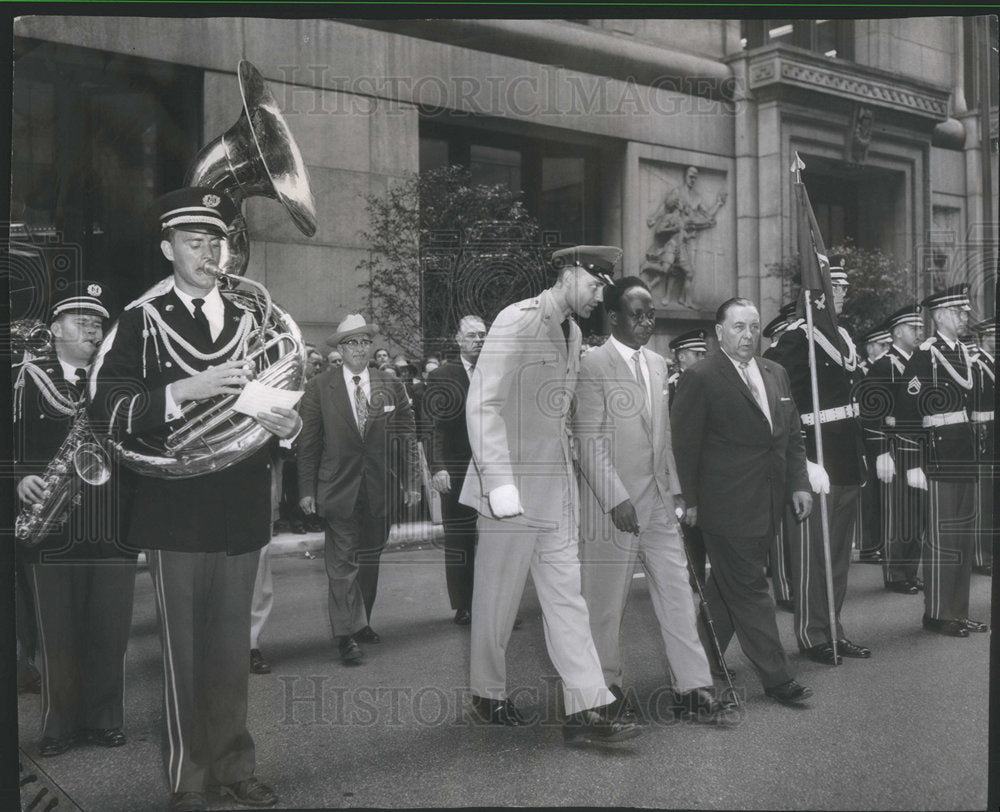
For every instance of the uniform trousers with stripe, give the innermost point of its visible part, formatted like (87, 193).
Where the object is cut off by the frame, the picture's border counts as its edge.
(203, 606)
(986, 532)
(869, 527)
(779, 557)
(812, 613)
(84, 613)
(947, 550)
(607, 564)
(505, 553)
(263, 596)
(903, 523)
(740, 603)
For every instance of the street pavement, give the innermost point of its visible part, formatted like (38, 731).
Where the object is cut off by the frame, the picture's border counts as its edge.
(904, 730)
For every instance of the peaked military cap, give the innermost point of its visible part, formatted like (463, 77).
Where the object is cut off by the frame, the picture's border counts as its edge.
(955, 296)
(80, 297)
(984, 327)
(691, 340)
(838, 274)
(877, 335)
(911, 314)
(598, 260)
(196, 208)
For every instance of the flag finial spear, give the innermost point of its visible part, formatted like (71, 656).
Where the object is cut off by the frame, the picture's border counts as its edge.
(797, 166)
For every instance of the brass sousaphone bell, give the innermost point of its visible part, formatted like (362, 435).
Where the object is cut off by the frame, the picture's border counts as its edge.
(257, 156)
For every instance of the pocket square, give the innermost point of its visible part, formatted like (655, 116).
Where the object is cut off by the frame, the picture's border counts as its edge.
(389, 408)
(784, 398)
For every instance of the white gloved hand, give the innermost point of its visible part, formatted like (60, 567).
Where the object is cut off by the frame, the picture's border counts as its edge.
(885, 467)
(505, 502)
(915, 478)
(818, 479)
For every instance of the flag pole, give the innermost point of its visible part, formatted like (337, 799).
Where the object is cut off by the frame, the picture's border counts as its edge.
(824, 511)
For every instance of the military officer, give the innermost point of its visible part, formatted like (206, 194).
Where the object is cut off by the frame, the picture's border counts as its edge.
(932, 411)
(983, 406)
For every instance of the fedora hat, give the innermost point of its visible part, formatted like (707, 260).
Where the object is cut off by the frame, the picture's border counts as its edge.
(352, 325)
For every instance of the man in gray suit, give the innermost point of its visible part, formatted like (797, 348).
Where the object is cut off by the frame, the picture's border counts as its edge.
(521, 482)
(627, 502)
(740, 458)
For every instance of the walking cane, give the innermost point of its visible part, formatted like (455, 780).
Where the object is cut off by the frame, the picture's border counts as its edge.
(709, 623)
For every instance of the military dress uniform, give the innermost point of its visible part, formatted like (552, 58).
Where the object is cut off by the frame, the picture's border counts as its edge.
(932, 412)
(836, 376)
(983, 405)
(80, 574)
(902, 507)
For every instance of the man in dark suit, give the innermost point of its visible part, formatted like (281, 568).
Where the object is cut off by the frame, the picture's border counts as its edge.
(740, 459)
(444, 407)
(80, 579)
(357, 422)
(178, 344)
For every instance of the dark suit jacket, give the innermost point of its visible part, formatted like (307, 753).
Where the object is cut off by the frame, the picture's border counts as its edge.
(737, 470)
(222, 511)
(334, 458)
(444, 407)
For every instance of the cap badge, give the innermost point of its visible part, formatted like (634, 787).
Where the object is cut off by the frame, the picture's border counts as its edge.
(211, 201)
(94, 290)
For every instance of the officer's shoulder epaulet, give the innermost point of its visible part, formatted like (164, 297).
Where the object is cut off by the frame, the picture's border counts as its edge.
(928, 343)
(795, 325)
(529, 304)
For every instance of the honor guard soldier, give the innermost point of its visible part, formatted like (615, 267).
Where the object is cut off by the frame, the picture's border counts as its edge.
(932, 411)
(79, 574)
(836, 374)
(877, 343)
(182, 342)
(779, 557)
(902, 507)
(983, 406)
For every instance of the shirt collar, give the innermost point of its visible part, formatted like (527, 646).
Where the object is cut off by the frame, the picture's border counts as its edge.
(902, 352)
(69, 371)
(349, 376)
(751, 364)
(624, 350)
(948, 342)
(212, 299)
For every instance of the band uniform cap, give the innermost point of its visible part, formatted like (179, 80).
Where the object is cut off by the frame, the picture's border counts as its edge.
(877, 335)
(80, 297)
(197, 208)
(955, 296)
(911, 314)
(984, 327)
(787, 310)
(598, 260)
(352, 325)
(691, 340)
(776, 325)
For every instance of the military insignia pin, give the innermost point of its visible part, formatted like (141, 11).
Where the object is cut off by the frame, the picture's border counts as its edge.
(94, 290)
(211, 201)
(913, 386)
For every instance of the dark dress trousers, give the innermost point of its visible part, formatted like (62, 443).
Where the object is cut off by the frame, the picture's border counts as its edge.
(982, 415)
(444, 407)
(202, 535)
(80, 577)
(739, 472)
(353, 477)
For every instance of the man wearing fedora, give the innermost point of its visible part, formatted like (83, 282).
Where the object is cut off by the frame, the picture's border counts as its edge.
(521, 482)
(177, 345)
(358, 440)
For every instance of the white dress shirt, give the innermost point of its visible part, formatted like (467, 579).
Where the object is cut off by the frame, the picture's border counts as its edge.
(753, 372)
(214, 308)
(627, 354)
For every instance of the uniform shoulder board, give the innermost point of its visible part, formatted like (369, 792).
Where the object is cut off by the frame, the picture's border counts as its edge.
(928, 343)
(528, 304)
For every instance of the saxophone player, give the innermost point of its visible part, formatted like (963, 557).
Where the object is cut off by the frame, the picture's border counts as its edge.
(79, 576)
(178, 344)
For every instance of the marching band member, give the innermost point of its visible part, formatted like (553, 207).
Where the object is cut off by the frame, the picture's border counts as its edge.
(983, 406)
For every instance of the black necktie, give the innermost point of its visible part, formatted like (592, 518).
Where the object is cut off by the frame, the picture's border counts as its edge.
(201, 318)
(565, 329)
(81, 379)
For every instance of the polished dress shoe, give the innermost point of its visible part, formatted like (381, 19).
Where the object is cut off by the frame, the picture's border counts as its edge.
(258, 665)
(105, 737)
(367, 635)
(951, 628)
(298, 528)
(598, 725)
(248, 792)
(848, 649)
(789, 693)
(51, 746)
(188, 802)
(823, 653)
(700, 705)
(350, 651)
(918, 584)
(622, 707)
(902, 587)
(788, 606)
(974, 625)
(874, 557)
(463, 617)
(497, 712)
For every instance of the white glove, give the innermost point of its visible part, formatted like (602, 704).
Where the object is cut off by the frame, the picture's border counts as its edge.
(818, 479)
(505, 502)
(885, 467)
(915, 478)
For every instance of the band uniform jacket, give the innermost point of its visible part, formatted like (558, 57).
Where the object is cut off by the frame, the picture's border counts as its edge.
(614, 434)
(937, 385)
(334, 458)
(94, 529)
(983, 405)
(877, 393)
(732, 465)
(836, 378)
(517, 408)
(222, 511)
(444, 407)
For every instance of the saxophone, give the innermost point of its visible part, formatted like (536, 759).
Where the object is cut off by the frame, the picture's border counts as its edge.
(79, 459)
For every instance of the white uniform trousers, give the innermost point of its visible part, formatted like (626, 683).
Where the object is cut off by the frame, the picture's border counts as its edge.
(504, 555)
(607, 566)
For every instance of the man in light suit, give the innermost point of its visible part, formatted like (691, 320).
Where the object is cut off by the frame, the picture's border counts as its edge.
(740, 458)
(356, 421)
(622, 430)
(521, 483)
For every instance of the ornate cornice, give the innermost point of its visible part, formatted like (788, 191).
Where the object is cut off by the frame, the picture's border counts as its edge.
(793, 67)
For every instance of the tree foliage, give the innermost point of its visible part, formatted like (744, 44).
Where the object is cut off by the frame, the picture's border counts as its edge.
(442, 247)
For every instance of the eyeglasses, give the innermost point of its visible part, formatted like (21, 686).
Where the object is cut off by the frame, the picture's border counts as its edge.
(358, 342)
